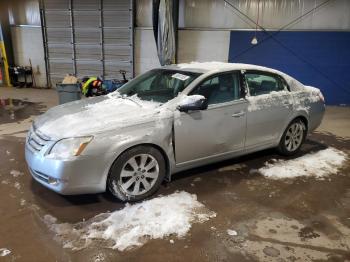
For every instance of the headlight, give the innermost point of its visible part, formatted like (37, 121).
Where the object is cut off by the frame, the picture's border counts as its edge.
(69, 147)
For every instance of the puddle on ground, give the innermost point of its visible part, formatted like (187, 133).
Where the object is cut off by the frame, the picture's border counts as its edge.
(14, 110)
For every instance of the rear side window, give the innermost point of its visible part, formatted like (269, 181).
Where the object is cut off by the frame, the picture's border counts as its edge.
(220, 88)
(260, 83)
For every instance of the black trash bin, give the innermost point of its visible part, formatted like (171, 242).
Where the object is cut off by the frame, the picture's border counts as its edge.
(68, 92)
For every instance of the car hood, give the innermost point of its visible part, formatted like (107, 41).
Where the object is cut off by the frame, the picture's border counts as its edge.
(96, 115)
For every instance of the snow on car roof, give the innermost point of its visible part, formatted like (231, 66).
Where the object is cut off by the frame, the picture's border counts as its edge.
(217, 66)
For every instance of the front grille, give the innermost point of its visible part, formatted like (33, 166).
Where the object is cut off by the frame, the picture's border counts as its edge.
(40, 175)
(36, 141)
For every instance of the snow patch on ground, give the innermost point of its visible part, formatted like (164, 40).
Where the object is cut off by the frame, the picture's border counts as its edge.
(17, 185)
(135, 224)
(5, 182)
(232, 232)
(4, 252)
(318, 164)
(16, 173)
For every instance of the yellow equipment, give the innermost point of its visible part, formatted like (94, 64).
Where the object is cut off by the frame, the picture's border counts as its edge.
(4, 67)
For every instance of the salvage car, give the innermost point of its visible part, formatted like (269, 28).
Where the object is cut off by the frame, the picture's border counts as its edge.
(168, 120)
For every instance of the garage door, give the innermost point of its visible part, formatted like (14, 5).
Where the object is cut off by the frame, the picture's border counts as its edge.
(88, 37)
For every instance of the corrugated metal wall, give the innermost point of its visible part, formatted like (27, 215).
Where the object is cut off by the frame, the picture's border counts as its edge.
(88, 37)
(273, 14)
(219, 15)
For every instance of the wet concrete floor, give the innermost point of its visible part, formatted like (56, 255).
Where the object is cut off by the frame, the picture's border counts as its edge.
(301, 219)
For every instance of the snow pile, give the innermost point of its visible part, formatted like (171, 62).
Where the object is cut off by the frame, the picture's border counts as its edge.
(306, 97)
(133, 225)
(269, 100)
(187, 100)
(315, 94)
(303, 99)
(319, 164)
(4, 252)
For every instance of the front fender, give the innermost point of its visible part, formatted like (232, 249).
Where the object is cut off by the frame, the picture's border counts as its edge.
(157, 134)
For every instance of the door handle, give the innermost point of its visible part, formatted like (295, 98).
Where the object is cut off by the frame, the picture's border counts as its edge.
(238, 114)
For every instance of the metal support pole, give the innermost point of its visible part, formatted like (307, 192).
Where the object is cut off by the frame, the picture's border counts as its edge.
(44, 34)
(102, 41)
(176, 26)
(73, 37)
(132, 36)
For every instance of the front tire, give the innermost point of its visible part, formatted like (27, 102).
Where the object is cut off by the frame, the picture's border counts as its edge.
(292, 138)
(136, 174)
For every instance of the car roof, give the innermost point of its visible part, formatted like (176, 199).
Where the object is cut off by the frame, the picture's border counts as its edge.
(205, 67)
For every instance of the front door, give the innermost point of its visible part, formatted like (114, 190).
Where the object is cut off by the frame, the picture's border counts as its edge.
(217, 130)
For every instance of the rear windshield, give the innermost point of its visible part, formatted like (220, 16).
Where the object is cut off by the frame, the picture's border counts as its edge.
(159, 85)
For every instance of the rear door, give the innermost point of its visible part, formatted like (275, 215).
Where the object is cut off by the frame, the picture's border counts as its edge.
(270, 106)
(217, 130)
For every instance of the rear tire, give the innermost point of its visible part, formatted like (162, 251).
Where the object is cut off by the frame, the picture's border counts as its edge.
(136, 174)
(292, 138)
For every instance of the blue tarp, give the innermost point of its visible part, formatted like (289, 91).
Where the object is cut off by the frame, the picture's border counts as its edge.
(320, 59)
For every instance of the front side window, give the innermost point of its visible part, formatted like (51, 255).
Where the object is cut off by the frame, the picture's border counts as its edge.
(159, 85)
(260, 83)
(219, 88)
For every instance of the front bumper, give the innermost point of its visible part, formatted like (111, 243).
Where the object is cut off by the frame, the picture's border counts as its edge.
(79, 175)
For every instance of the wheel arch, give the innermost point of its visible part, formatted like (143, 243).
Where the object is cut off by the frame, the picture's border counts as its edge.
(155, 146)
(303, 119)
(299, 116)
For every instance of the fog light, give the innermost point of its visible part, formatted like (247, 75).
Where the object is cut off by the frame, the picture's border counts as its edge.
(53, 181)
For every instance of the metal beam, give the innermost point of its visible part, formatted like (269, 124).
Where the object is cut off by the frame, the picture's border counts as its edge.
(44, 34)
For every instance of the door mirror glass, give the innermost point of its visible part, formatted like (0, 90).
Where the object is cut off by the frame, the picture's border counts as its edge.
(191, 103)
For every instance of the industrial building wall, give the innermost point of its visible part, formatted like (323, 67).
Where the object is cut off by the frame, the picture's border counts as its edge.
(27, 37)
(205, 25)
(28, 44)
(145, 50)
(194, 45)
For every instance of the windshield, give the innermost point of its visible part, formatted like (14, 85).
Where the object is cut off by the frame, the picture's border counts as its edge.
(159, 85)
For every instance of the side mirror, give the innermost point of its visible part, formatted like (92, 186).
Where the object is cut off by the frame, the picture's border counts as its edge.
(191, 103)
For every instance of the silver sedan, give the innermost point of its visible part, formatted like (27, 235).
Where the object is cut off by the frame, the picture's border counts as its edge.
(168, 120)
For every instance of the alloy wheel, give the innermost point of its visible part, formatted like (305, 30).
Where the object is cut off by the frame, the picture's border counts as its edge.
(294, 136)
(139, 174)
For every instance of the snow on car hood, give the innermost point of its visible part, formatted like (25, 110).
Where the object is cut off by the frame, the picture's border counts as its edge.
(94, 115)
